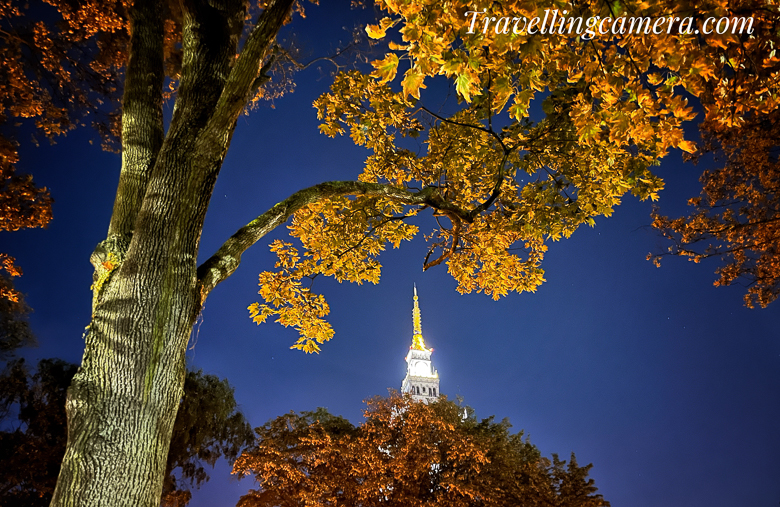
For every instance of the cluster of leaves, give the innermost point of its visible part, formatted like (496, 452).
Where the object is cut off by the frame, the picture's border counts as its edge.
(60, 63)
(738, 215)
(406, 453)
(342, 238)
(32, 410)
(22, 205)
(505, 183)
(52, 73)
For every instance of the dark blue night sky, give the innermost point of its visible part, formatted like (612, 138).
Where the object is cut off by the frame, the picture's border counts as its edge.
(668, 385)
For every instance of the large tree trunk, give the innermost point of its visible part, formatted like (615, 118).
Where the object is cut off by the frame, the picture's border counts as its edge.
(123, 401)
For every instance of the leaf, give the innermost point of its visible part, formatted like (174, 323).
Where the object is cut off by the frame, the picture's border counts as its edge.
(412, 82)
(463, 85)
(378, 32)
(688, 146)
(386, 68)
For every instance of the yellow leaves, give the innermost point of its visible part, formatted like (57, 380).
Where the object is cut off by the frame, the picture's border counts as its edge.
(614, 107)
(378, 32)
(465, 85)
(294, 305)
(588, 130)
(502, 91)
(396, 47)
(687, 146)
(518, 112)
(386, 68)
(519, 109)
(341, 239)
(412, 82)
(485, 263)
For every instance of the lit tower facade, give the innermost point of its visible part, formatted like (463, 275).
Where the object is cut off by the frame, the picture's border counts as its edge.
(422, 380)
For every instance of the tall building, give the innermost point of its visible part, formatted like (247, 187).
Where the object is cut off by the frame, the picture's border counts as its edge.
(422, 380)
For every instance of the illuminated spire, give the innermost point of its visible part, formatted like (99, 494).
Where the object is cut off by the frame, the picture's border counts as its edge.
(417, 340)
(422, 379)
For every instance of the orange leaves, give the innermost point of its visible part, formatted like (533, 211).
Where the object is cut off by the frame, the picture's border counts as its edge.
(7, 291)
(687, 146)
(737, 217)
(379, 31)
(406, 453)
(58, 66)
(8, 264)
(22, 205)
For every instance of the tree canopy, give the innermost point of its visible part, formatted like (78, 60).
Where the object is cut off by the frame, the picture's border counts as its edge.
(501, 182)
(406, 453)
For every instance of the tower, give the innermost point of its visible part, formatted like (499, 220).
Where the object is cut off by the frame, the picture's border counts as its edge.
(422, 380)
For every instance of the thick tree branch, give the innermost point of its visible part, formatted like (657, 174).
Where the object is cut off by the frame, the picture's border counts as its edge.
(184, 173)
(245, 71)
(142, 118)
(214, 140)
(225, 261)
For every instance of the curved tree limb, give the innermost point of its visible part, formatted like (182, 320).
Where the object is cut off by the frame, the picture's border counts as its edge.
(226, 260)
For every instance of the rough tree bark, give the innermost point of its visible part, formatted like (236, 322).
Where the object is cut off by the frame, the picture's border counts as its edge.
(123, 401)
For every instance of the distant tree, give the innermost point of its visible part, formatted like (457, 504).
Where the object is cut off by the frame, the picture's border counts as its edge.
(406, 454)
(32, 440)
(34, 432)
(737, 217)
(208, 426)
